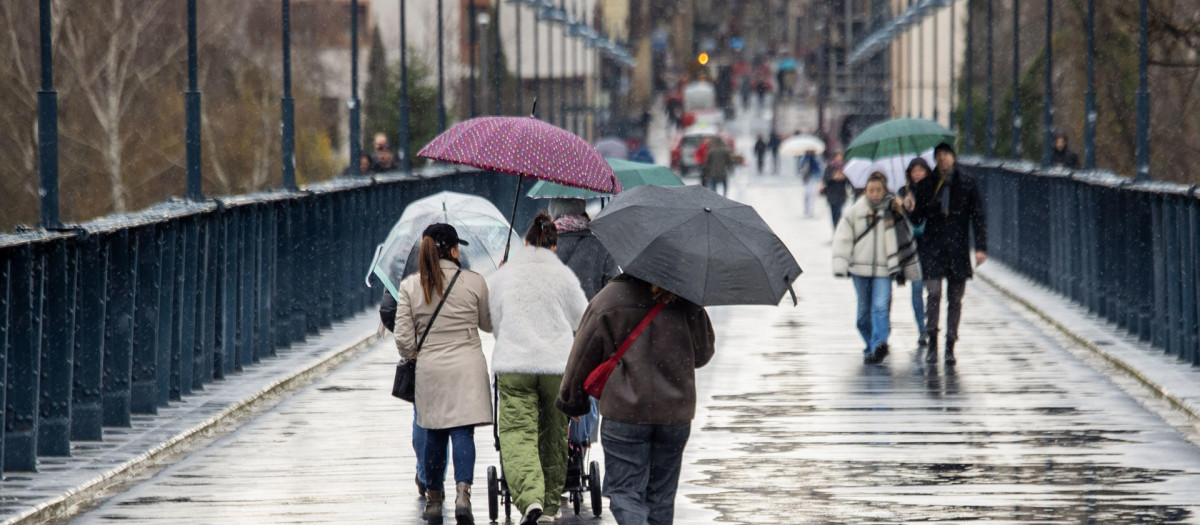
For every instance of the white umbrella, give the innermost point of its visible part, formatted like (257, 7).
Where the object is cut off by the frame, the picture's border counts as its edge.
(799, 145)
(857, 170)
(477, 220)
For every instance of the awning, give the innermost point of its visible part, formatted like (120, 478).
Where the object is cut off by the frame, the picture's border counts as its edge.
(881, 39)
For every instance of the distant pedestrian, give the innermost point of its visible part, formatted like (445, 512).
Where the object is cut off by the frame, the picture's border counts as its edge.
(918, 170)
(949, 205)
(747, 88)
(866, 248)
(773, 142)
(809, 170)
(536, 303)
(364, 166)
(384, 162)
(649, 400)
(760, 152)
(717, 164)
(762, 87)
(452, 394)
(835, 187)
(1063, 157)
(642, 154)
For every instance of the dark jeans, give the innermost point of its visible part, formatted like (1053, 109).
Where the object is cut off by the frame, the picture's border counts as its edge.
(712, 185)
(835, 210)
(933, 304)
(435, 455)
(419, 437)
(641, 470)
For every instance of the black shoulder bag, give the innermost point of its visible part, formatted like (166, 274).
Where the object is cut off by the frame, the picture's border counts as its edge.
(404, 386)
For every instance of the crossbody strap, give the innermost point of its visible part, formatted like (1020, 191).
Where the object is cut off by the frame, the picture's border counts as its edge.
(641, 327)
(869, 228)
(437, 310)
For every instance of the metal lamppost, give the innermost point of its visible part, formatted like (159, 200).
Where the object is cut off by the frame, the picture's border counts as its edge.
(1016, 80)
(355, 132)
(192, 108)
(970, 116)
(472, 41)
(287, 106)
(1143, 100)
(562, 100)
(48, 123)
(1089, 123)
(1048, 103)
(990, 119)
(497, 72)
(405, 124)
(441, 53)
(936, 78)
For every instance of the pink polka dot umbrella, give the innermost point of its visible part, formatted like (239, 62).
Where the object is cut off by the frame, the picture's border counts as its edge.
(527, 147)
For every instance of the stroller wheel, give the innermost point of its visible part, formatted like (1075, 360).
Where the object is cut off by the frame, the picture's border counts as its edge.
(576, 501)
(594, 486)
(493, 494)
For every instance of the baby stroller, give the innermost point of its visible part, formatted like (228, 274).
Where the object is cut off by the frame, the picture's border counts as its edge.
(580, 481)
(497, 487)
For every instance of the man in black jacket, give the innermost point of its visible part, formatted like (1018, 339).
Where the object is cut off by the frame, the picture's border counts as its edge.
(950, 206)
(1062, 156)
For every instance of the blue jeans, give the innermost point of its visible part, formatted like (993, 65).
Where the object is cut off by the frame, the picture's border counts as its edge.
(419, 437)
(641, 470)
(835, 212)
(874, 307)
(435, 455)
(918, 301)
(712, 185)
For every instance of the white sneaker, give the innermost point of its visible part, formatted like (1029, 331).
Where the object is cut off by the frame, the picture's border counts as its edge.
(546, 519)
(533, 515)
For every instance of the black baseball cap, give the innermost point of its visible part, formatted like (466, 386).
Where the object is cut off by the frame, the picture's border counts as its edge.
(444, 235)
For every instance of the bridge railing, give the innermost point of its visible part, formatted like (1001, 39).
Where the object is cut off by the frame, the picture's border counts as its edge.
(1129, 252)
(128, 313)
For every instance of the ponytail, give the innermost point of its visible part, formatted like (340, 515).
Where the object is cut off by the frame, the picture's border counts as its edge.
(430, 267)
(542, 233)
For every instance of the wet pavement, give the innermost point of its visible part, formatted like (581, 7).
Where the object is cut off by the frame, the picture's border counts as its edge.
(791, 428)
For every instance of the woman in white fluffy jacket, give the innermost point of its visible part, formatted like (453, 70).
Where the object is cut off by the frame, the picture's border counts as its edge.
(536, 304)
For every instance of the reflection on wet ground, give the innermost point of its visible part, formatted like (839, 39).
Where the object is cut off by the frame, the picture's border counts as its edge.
(798, 430)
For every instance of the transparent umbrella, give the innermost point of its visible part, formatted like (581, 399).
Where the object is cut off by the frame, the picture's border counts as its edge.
(478, 222)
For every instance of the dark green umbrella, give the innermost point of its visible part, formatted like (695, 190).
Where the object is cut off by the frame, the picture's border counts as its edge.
(630, 174)
(897, 137)
(696, 244)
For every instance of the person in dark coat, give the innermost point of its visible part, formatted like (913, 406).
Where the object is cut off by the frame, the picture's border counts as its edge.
(717, 164)
(950, 206)
(760, 152)
(835, 187)
(773, 143)
(649, 400)
(1063, 157)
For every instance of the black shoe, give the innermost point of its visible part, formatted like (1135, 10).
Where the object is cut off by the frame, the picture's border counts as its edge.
(923, 340)
(869, 358)
(950, 360)
(881, 352)
(420, 488)
(931, 352)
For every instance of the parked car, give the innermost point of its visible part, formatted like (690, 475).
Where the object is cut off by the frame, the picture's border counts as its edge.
(684, 145)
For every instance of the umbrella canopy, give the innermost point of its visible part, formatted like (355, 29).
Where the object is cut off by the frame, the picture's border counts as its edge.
(696, 244)
(612, 147)
(798, 145)
(478, 222)
(787, 64)
(902, 136)
(631, 174)
(857, 170)
(527, 147)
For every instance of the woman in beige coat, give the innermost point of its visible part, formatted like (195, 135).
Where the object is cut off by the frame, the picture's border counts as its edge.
(452, 396)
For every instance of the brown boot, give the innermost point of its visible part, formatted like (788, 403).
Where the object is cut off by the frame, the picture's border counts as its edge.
(433, 505)
(462, 505)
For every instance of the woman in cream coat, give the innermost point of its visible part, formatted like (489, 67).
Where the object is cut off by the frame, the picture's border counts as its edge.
(536, 303)
(452, 395)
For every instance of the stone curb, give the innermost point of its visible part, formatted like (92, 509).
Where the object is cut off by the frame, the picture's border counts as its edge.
(62, 506)
(1177, 402)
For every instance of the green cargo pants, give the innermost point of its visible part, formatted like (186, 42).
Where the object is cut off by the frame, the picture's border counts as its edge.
(533, 440)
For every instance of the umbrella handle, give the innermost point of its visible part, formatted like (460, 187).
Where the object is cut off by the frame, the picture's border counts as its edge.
(513, 217)
(374, 261)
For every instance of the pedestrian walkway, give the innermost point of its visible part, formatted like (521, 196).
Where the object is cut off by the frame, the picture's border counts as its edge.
(792, 427)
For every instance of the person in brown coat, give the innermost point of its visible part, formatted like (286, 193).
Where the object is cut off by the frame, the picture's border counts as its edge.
(650, 398)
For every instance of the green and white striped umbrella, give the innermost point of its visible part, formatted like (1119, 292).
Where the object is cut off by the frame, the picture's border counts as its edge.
(889, 146)
(631, 174)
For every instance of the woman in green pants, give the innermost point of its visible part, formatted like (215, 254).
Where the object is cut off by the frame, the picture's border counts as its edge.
(536, 303)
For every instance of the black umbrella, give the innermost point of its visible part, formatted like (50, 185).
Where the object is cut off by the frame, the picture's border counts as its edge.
(697, 244)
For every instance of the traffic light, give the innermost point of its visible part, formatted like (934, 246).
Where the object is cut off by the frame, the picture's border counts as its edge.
(703, 59)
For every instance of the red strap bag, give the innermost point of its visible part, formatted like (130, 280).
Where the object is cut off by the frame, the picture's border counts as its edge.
(594, 384)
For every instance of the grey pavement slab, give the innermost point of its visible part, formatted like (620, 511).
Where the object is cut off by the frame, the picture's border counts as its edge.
(124, 451)
(791, 426)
